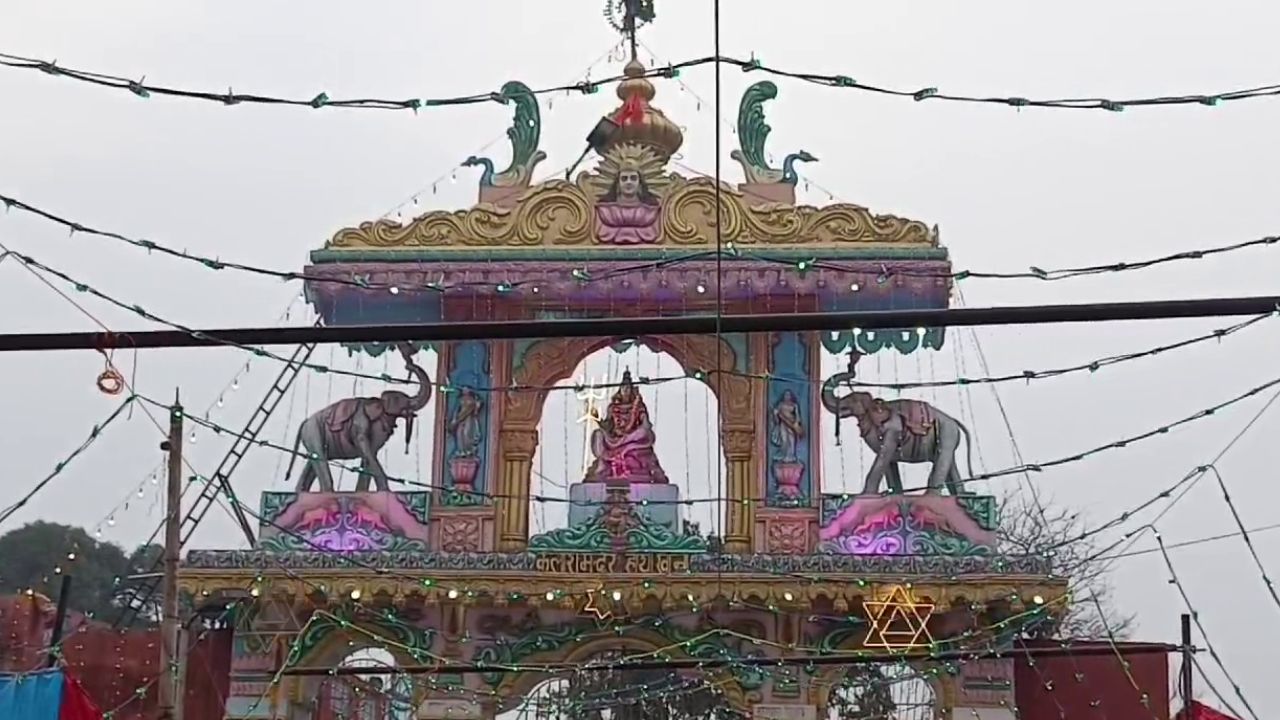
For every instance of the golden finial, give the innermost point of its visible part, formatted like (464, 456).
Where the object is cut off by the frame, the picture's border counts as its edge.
(639, 121)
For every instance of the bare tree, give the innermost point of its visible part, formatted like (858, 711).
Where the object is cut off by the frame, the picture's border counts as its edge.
(1028, 527)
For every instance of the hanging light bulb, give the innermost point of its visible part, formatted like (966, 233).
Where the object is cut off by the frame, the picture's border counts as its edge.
(235, 384)
(192, 439)
(221, 402)
(111, 521)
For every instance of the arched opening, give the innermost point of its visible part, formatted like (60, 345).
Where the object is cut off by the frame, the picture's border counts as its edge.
(684, 416)
(881, 691)
(600, 692)
(374, 695)
(538, 366)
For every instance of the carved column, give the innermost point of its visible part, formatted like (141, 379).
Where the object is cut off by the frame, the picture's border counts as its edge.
(740, 514)
(512, 504)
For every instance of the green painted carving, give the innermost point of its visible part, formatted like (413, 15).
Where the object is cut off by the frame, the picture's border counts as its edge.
(503, 655)
(786, 683)
(871, 341)
(416, 641)
(452, 497)
(836, 637)
(932, 542)
(376, 349)
(524, 133)
(289, 542)
(982, 508)
(273, 504)
(752, 133)
(600, 533)
(587, 537)
(705, 642)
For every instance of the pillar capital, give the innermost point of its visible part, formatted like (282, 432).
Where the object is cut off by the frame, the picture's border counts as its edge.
(519, 442)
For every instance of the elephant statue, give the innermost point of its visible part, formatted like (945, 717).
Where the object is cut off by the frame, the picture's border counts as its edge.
(910, 431)
(356, 429)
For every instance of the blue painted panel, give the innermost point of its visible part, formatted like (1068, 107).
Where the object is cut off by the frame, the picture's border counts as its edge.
(789, 385)
(469, 372)
(34, 696)
(350, 308)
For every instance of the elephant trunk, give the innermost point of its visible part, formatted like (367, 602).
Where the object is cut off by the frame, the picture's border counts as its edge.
(419, 400)
(841, 407)
(408, 432)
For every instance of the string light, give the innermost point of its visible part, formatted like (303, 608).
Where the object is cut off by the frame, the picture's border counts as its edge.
(753, 64)
(315, 102)
(1025, 375)
(659, 654)
(62, 465)
(1015, 470)
(583, 275)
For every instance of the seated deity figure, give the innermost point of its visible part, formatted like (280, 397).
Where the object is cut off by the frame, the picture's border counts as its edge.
(623, 442)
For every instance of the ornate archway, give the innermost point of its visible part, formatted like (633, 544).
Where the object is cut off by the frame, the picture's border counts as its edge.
(517, 686)
(329, 641)
(540, 365)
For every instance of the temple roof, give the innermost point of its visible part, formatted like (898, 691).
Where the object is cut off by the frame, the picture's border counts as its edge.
(629, 200)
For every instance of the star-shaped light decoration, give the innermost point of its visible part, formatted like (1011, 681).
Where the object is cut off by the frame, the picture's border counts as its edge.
(591, 607)
(898, 622)
(604, 606)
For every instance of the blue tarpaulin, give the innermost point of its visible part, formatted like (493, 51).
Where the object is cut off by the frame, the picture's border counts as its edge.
(33, 696)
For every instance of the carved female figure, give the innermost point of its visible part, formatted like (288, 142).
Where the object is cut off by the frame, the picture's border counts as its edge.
(787, 427)
(465, 424)
(626, 186)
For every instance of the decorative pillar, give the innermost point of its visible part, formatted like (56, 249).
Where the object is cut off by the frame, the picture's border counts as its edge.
(739, 447)
(518, 446)
(465, 413)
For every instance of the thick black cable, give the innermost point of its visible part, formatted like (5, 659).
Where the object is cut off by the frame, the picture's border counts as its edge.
(644, 326)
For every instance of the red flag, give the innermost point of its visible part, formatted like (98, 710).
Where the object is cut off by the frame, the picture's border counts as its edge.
(76, 704)
(1200, 711)
(632, 110)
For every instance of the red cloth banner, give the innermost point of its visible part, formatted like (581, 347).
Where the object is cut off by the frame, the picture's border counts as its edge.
(632, 111)
(76, 704)
(1200, 711)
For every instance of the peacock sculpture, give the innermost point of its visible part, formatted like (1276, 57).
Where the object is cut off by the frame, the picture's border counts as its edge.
(752, 133)
(524, 133)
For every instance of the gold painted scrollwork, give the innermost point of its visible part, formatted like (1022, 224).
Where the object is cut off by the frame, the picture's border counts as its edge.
(561, 213)
(689, 214)
(553, 212)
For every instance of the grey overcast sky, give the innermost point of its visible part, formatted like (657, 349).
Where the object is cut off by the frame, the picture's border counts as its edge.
(1008, 188)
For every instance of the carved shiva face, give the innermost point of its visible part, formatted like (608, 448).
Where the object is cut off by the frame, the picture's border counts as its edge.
(628, 184)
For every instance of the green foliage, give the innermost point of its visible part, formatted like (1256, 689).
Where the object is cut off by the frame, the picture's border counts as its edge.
(35, 555)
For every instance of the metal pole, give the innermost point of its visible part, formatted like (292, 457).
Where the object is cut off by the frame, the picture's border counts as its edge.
(59, 621)
(1185, 680)
(170, 625)
(634, 327)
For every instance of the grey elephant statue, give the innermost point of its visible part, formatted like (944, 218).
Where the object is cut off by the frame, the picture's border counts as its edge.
(356, 429)
(910, 431)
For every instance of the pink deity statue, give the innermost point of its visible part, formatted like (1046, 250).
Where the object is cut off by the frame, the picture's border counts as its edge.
(623, 442)
(628, 213)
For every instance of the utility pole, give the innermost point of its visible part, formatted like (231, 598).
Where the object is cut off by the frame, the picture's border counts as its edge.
(1185, 677)
(59, 622)
(169, 624)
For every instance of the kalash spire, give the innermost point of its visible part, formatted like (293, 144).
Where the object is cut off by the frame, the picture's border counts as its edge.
(636, 121)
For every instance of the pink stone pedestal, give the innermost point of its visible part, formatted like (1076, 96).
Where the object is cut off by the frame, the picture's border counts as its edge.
(886, 524)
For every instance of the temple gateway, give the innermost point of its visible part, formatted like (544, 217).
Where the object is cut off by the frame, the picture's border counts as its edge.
(808, 603)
